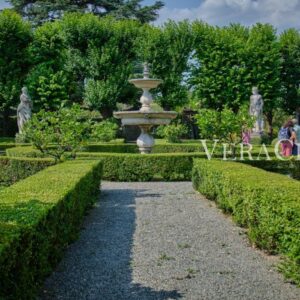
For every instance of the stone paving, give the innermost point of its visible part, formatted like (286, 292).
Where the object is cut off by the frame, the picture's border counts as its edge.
(162, 241)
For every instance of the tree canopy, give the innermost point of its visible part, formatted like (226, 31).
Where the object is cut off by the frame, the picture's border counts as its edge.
(40, 11)
(15, 37)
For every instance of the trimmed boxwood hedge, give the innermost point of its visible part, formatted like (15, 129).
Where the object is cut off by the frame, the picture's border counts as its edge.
(15, 169)
(27, 151)
(111, 148)
(132, 148)
(39, 216)
(266, 203)
(137, 167)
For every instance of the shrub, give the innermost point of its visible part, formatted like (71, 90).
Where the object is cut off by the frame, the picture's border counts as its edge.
(15, 169)
(104, 131)
(269, 209)
(39, 216)
(63, 129)
(172, 133)
(225, 125)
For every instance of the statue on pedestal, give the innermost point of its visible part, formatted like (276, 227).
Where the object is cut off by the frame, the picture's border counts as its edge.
(256, 110)
(24, 109)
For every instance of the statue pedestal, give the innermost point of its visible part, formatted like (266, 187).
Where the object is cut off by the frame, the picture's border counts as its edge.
(255, 135)
(255, 138)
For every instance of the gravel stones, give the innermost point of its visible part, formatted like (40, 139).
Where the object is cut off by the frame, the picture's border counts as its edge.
(160, 240)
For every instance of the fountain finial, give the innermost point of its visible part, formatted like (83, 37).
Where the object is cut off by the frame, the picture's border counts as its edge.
(146, 71)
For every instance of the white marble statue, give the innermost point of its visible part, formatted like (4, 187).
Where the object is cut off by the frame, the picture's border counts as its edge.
(24, 109)
(256, 110)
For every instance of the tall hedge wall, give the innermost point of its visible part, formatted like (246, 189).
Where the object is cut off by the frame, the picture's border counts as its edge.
(39, 216)
(266, 203)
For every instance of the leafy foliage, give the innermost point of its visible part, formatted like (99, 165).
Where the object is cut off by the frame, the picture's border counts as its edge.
(172, 133)
(168, 50)
(100, 58)
(230, 61)
(290, 72)
(104, 131)
(50, 89)
(15, 36)
(39, 11)
(225, 125)
(48, 81)
(55, 133)
(219, 75)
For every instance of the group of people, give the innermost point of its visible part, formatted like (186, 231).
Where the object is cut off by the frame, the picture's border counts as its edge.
(289, 135)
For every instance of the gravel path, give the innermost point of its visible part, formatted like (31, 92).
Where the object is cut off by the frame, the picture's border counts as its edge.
(163, 241)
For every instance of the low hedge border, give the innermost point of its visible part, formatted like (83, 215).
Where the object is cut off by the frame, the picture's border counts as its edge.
(15, 169)
(27, 151)
(266, 203)
(290, 167)
(132, 148)
(137, 167)
(39, 216)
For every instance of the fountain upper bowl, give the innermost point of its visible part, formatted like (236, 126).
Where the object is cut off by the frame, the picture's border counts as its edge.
(146, 83)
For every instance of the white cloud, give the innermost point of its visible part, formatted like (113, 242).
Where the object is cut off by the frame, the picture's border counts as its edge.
(281, 13)
(4, 4)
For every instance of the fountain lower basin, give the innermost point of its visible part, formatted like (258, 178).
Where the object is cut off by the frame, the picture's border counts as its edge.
(145, 121)
(145, 118)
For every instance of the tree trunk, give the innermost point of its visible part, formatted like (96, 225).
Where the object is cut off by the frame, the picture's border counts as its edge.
(5, 123)
(298, 115)
(270, 122)
(8, 126)
(106, 113)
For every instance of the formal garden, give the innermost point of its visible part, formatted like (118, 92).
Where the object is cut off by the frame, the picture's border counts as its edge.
(70, 116)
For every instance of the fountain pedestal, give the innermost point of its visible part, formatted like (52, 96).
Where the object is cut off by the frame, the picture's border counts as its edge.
(145, 141)
(145, 118)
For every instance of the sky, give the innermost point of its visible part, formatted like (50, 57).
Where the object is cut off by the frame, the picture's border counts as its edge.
(280, 13)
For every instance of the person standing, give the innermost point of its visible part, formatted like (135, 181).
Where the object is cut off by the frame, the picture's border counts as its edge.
(287, 138)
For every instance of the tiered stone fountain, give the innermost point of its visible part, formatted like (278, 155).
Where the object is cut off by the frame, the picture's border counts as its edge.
(145, 118)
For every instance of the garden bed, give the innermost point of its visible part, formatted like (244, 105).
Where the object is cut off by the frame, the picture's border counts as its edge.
(39, 217)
